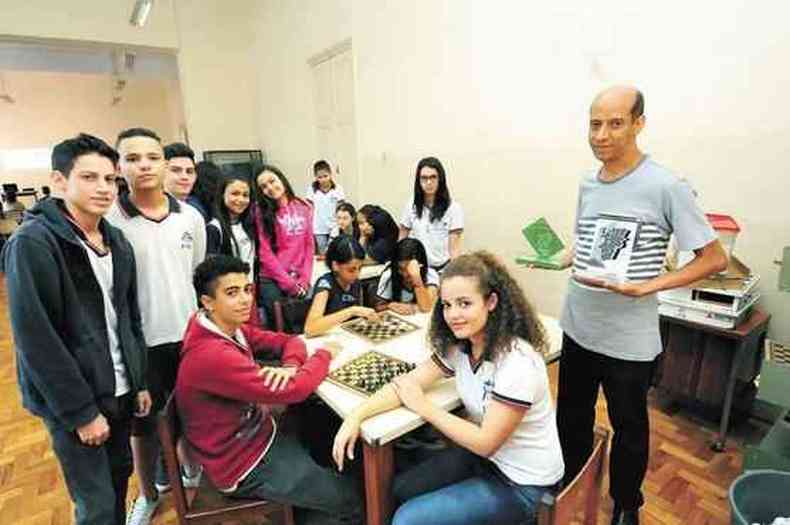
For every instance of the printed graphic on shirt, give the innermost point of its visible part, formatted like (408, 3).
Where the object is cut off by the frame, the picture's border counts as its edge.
(187, 241)
(293, 224)
(619, 248)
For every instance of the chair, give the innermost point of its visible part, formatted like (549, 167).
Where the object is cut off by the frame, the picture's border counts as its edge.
(290, 315)
(560, 509)
(206, 505)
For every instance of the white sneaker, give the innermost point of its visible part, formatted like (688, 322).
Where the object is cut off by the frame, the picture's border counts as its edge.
(191, 478)
(142, 511)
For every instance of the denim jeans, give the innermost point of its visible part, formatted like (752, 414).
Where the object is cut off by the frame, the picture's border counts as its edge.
(321, 243)
(287, 474)
(625, 385)
(97, 477)
(457, 487)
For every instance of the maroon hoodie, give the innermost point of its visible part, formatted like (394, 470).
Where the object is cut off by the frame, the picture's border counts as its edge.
(223, 403)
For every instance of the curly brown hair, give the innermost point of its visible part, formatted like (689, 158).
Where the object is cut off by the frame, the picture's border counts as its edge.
(512, 318)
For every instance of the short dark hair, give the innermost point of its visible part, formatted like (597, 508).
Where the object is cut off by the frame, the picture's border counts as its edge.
(65, 153)
(179, 149)
(136, 132)
(321, 165)
(209, 271)
(638, 109)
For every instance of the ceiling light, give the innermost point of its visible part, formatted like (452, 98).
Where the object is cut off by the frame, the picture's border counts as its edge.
(140, 13)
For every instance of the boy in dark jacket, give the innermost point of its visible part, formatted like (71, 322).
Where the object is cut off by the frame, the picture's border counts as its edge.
(224, 400)
(80, 349)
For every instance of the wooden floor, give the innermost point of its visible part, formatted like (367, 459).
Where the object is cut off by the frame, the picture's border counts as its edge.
(686, 482)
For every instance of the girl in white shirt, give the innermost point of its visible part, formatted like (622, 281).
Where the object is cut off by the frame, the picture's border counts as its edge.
(507, 454)
(324, 194)
(432, 216)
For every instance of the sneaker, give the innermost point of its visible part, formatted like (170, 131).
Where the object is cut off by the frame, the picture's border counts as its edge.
(191, 478)
(161, 480)
(142, 511)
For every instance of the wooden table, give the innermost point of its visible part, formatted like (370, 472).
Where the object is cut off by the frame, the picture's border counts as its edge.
(379, 432)
(697, 358)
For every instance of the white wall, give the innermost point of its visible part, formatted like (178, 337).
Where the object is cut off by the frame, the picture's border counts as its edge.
(500, 92)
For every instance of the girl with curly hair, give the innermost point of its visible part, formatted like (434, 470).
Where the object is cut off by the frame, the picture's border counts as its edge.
(506, 454)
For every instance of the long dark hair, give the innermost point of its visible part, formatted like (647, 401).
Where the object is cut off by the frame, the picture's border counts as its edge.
(384, 227)
(406, 250)
(513, 317)
(230, 245)
(442, 200)
(268, 207)
(349, 208)
(208, 180)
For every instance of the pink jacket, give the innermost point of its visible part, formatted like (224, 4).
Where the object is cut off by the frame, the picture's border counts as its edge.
(293, 263)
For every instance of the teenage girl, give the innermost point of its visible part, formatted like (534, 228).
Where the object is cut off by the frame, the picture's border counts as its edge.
(338, 294)
(408, 284)
(345, 221)
(285, 239)
(232, 231)
(507, 451)
(378, 233)
(324, 194)
(432, 216)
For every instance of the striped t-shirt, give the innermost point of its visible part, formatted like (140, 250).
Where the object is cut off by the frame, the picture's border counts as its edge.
(623, 227)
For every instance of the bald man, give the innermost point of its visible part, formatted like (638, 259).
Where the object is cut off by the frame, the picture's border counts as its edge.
(627, 210)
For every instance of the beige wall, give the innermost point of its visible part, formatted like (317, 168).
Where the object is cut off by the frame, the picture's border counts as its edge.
(52, 106)
(501, 96)
(213, 40)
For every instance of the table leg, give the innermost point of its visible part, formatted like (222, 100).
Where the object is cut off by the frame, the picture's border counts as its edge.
(721, 439)
(379, 468)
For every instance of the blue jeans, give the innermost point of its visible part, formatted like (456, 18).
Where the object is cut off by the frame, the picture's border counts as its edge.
(97, 477)
(457, 487)
(321, 243)
(288, 474)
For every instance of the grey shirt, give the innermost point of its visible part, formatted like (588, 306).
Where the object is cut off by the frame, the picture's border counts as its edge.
(662, 204)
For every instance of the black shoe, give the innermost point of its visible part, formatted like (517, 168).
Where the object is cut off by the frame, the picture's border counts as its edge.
(625, 517)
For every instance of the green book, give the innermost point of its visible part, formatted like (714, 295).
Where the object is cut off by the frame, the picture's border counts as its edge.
(546, 244)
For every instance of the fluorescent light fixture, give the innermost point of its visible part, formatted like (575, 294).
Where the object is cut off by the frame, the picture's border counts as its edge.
(25, 159)
(142, 8)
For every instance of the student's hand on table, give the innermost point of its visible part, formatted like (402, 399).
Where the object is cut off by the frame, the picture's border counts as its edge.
(95, 433)
(143, 404)
(368, 313)
(410, 393)
(345, 440)
(403, 308)
(333, 347)
(629, 289)
(276, 377)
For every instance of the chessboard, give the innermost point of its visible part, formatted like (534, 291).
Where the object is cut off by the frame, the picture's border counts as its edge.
(369, 372)
(389, 327)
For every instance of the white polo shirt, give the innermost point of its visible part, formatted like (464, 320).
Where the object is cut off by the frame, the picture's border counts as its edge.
(435, 236)
(166, 253)
(384, 288)
(532, 454)
(324, 205)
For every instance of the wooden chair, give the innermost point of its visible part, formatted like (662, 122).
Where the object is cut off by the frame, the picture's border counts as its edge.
(206, 505)
(586, 486)
(290, 315)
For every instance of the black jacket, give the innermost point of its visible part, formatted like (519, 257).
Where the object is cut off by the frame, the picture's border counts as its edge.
(64, 366)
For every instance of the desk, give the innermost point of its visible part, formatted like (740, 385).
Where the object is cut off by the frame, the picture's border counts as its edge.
(379, 432)
(697, 357)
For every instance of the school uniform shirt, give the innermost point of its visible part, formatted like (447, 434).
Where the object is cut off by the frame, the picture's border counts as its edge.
(532, 454)
(384, 289)
(324, 205)
(245, 251)
(103, 271)
(435, 236)
(167, 251)
(338, 298)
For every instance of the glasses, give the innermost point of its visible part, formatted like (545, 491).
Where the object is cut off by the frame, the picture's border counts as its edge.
(429, 178)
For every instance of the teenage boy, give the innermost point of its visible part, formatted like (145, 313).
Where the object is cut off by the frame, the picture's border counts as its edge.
(180, 175)
(80, 349)
(224, 400)
(169, 240)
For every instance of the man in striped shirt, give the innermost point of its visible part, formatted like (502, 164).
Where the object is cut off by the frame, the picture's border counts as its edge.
(626, 212)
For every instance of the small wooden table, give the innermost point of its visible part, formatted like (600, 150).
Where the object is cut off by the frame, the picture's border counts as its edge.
(697, 356)
(378, 433)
